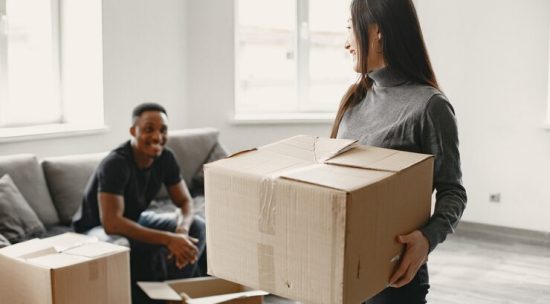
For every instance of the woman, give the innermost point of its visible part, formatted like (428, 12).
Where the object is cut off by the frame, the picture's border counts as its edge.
(396, 104)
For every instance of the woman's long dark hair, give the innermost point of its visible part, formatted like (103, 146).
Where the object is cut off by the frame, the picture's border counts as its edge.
(403, 46)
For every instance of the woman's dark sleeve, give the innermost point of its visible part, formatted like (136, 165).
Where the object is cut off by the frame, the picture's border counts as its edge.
(439, 137)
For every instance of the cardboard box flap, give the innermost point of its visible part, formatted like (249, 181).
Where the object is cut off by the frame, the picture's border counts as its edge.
(259, 163)
(57, 260)
(310, 148)
(69, 239)
(241, 152)
(26, 248)
(94, 250)
(159, 291)
(337, 177)
(226, 297)
(61, 250)
(375, 158)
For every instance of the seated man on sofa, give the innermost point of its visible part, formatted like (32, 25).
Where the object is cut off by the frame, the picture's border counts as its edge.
(122, 188)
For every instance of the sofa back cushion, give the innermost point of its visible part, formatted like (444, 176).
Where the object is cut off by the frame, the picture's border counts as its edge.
(67, 177)
(27, 175)
(192, 148)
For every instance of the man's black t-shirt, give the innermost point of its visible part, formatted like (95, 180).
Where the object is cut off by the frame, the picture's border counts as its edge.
(119, 174)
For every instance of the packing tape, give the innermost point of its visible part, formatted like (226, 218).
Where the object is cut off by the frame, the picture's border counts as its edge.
(266, 267)
(266, 220)
(93, 271)
(268, 207)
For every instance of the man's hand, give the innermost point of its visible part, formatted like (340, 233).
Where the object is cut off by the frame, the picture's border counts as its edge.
(416, 252)
(182, 248)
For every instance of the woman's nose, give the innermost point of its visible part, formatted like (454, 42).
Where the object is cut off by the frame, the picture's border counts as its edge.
(347, 45)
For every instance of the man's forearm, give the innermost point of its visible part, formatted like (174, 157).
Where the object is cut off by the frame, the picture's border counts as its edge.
(130, 229)
(187, 215)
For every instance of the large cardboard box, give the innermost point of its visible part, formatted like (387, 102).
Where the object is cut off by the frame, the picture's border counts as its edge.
(65, 269)
(314, 219)
(206, 290)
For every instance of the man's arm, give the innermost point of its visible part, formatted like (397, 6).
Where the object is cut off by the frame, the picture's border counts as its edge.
(181, 198)
(114, 222)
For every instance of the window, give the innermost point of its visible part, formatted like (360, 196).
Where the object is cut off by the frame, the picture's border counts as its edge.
(548, 87)
(29, 65)
(291, 57)
(50, 67)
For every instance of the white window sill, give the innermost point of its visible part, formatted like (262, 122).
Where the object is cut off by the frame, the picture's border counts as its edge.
(48, 131)
(282, 118)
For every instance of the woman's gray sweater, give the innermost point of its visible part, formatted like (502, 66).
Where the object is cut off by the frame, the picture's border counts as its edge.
(400, 114)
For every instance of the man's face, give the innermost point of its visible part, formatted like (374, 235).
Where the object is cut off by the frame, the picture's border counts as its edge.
(150, 133)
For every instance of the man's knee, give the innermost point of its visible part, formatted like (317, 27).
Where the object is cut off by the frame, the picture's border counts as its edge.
(160, 221)
(99, 233)
(198, 228)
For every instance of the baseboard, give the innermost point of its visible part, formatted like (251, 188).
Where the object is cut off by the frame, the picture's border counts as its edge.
(503, 234)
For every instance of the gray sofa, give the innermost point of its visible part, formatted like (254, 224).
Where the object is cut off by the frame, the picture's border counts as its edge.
(53, 187)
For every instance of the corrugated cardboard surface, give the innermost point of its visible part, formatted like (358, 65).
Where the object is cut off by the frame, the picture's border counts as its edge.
(23, 283)
(205, 290)
(69, 268)
(297, 219)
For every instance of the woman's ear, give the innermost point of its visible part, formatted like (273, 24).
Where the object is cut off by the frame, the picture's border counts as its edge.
(133, 131)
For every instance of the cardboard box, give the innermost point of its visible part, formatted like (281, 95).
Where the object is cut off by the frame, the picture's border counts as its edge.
(65, 269)
(314, 219)
(207, 290)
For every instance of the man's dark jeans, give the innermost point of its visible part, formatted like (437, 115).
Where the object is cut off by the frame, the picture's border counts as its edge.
(150, 262)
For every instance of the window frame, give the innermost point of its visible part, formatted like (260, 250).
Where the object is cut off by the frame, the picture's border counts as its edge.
(302, 113)
(79, 86)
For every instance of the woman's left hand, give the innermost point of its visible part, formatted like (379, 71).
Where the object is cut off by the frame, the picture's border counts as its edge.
(416, 253)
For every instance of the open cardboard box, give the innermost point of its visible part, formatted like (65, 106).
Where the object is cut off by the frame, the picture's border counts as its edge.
(206, 290)
(314, 219)
(65, 269)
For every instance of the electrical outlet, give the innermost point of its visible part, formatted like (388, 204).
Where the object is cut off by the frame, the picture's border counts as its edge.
(494, 197)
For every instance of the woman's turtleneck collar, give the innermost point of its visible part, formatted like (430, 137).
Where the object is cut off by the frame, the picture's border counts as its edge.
(387, 77)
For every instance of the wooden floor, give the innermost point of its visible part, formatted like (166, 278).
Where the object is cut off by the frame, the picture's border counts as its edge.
(471, 270)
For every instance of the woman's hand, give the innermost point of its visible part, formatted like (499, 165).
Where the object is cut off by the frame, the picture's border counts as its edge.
(417, 248)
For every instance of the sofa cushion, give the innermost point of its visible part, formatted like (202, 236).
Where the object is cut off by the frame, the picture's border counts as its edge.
(27, 175)
(18, 222)
(67, 177)
(4, 242)
(192, 148)
(57, 230)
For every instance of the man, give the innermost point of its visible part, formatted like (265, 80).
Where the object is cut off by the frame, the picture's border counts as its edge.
(122, 188)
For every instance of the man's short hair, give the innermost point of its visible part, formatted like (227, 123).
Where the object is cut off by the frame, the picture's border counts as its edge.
(144, 107)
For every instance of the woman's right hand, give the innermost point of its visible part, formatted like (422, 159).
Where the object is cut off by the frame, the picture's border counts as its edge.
(182, 248)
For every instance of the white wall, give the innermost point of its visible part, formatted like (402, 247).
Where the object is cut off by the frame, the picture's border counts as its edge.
(144, 59)
(211, 80)
(491, 58)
